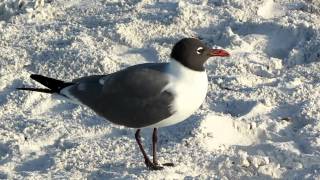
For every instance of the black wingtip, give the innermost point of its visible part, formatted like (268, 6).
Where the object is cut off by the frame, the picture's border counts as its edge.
(35, 89)
(35, 76)
(54, 85)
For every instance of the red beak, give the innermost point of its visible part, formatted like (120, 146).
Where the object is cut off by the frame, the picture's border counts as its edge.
(218, 52)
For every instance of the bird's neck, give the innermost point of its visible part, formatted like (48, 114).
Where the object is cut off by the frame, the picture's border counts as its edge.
(178, 70)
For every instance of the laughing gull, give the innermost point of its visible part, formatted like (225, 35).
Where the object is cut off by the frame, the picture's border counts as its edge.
(149, 95)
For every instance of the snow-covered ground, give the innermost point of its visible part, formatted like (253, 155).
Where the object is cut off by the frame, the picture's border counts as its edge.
(260, 120)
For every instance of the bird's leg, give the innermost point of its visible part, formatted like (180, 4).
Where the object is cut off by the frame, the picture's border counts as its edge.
(147, 161)
(154, 146)
(154, 149)
(138, 139)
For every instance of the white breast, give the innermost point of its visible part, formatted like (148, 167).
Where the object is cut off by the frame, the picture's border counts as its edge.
(190, 89)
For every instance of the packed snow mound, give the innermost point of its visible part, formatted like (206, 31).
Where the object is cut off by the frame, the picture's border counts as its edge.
(260, 119)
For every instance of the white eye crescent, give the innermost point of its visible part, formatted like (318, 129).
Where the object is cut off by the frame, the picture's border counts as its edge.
(200, 50)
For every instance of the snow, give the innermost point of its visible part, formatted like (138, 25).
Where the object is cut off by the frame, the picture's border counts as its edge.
(260, 120)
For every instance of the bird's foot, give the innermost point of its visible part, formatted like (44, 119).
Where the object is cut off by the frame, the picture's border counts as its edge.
(157, 166)
(168, 164)
(153, 166)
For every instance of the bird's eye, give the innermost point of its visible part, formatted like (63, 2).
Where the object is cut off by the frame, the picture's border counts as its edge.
(200, 50)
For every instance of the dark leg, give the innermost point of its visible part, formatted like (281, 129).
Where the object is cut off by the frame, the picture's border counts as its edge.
(154, 148)
(147, 161)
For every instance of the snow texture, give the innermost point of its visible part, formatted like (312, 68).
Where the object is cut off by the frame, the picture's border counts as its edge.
(260, 120)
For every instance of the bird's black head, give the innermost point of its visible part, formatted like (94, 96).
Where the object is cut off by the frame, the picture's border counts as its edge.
(192, 53)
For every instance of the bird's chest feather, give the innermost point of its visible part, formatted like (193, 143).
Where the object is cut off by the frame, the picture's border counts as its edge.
(189, 88)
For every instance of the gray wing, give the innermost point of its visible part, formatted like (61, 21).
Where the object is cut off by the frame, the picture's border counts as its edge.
(133, 97)
(89, 79)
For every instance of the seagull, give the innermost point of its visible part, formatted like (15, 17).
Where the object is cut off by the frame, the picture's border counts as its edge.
(149, 95)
